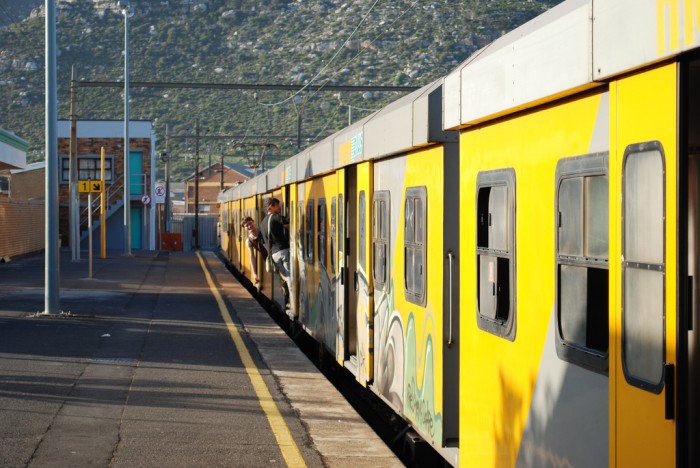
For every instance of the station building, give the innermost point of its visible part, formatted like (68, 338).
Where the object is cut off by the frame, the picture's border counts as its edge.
(91, 137)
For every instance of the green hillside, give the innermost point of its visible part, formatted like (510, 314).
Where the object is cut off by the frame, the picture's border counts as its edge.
(362, 42)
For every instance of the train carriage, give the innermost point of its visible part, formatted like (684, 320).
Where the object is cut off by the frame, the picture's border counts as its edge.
(577, 153)
(507, 256)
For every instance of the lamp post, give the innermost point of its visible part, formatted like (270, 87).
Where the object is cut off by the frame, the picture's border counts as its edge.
(52, 260)
(123, 6)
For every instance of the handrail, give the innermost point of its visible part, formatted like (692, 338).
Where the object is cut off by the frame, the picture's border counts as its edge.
(113, 193)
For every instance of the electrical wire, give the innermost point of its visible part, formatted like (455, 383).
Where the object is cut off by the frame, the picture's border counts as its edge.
(362, 51)
(329, 62)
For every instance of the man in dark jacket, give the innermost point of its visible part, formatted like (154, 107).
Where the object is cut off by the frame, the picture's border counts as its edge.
(274, 232)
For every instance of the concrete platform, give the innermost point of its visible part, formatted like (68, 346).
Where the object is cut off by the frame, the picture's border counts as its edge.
(141, 370)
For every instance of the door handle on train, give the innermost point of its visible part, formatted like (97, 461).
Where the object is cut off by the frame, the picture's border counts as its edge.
(670, 389)
(355, 278)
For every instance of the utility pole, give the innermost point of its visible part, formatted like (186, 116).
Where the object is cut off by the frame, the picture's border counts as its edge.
(74, 203)
(298, 130)
(123, 5)
(221, 185)
(195, 232)
(51, 248)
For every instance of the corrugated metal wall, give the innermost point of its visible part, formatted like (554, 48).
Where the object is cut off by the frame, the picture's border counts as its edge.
(208, 232)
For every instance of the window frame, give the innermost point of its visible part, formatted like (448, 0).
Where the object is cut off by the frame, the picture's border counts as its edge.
(362, 221)
(629, 263)
(301, 232)
(322, 233)
(381, 216)
(416, 295)
(487, 180)
(580, 167)
(334, 234)
(309, 231)
(109, 168)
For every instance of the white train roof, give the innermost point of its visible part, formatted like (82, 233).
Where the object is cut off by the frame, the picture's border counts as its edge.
(576, 45)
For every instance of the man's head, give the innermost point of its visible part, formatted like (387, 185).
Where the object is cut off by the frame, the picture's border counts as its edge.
(273, 205)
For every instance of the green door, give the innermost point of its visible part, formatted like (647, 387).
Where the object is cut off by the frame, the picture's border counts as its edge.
(136, 227)
(136, 179)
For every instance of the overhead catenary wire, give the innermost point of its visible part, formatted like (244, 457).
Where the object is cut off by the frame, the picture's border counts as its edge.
(329, 62)
(362, 51)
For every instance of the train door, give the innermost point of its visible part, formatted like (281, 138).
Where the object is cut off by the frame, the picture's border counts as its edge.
(293, 249)
(238, 237)
(362, 282)
(351, 292)
(689, 339)
(277, 293)
(338, 224)
(302, 296)
(249, 208)
(643, 359)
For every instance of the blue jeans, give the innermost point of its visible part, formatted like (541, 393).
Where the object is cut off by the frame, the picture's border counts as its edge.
(281, 259)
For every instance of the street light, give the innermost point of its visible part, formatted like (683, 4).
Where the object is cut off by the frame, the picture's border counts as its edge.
(52, 259)
(123, 6)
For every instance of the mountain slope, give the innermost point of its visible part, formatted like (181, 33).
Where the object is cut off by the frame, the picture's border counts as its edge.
(362, 42)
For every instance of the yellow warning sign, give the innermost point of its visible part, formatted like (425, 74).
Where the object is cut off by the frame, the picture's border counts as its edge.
(86, 186)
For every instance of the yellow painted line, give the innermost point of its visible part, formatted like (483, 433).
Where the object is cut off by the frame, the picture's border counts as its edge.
(289, 448)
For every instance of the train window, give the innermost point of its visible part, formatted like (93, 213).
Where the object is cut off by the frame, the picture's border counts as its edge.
(300, 230)
(224, 219)
(495, 252)
(333, 234)
(582, 261)
(236, 221)
(310, 232)
(363, 238)
(322, 259)
(341, 232)
(415, 275)
(380, 236)
(643, 266)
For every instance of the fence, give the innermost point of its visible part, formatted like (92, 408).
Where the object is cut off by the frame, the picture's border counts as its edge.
(21, 227)
(208, 230)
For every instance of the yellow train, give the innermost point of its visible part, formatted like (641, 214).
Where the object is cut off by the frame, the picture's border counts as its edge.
(508, 255)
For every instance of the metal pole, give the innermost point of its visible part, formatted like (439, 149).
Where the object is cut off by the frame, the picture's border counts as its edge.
(124, 7)
(195, 233)
(51, 239)
(222, 171)
(89, 214)
(103, 207)
(167, 181)
(74, 200)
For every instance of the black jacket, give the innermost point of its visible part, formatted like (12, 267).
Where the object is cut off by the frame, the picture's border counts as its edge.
(278, 239)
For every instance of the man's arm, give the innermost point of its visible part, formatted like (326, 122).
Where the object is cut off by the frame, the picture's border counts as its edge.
(284, 220)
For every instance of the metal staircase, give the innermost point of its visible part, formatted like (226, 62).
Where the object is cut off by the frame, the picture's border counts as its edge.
(115, 200)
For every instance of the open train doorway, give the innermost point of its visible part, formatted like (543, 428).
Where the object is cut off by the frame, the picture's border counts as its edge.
(689, 324)
(351, 293)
